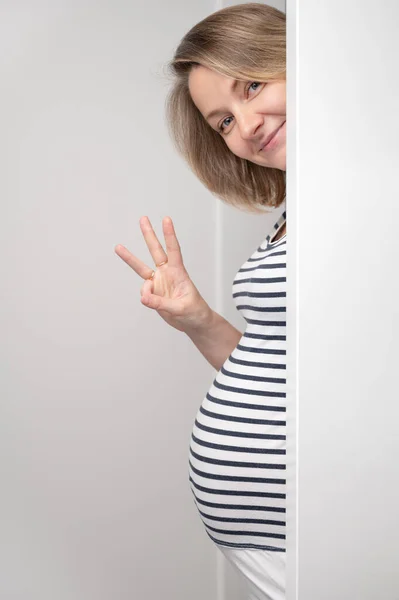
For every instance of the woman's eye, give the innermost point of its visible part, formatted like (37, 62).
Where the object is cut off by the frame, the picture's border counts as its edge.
(221, 128)
(257, 82)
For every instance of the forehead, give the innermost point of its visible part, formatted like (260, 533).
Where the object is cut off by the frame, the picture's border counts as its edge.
(200, 76)
(206, 86)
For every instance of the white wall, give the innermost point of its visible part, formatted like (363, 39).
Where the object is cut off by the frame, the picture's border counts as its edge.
(343, 296)
(98, 394)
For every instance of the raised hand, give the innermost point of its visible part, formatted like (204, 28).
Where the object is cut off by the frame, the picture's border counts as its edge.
(170, 292)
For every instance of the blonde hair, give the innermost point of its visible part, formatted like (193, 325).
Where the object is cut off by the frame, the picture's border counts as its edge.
(246, 42)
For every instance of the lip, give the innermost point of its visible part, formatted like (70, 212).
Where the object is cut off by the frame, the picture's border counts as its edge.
(270, 137)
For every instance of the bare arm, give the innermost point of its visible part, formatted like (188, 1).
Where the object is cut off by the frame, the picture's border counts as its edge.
(216, 338)
(170, 291)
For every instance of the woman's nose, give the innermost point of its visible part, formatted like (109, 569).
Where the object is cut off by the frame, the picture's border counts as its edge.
(249, 126)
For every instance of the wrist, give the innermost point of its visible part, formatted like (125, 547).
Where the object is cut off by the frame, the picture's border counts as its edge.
(203, 321)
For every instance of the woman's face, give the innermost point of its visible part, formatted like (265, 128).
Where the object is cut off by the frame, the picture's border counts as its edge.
(247, 114)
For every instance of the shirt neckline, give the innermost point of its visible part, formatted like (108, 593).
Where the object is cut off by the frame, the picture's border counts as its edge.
(276, 228)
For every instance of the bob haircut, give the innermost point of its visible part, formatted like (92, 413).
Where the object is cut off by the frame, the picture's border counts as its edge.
(246, 42)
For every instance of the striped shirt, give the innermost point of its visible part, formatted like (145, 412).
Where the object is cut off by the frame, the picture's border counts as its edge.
(237, 462)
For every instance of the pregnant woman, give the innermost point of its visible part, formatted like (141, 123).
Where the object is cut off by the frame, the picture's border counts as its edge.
(227, 116)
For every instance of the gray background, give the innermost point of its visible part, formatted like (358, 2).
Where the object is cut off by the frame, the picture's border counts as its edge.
(98, 394)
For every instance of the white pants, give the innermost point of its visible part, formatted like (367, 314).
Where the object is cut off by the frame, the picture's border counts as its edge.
(262, 571)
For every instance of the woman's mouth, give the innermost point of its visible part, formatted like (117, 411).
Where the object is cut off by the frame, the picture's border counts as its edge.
(274, 140)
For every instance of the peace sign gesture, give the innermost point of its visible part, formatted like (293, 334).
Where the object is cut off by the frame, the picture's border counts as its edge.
(170, 291)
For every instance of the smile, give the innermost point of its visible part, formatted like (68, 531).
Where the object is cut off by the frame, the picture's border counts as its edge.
(273, 142)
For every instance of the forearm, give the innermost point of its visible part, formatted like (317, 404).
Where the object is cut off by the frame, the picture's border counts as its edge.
(216, 338)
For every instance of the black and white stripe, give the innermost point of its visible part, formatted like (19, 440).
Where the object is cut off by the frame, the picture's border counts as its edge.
(237, 463)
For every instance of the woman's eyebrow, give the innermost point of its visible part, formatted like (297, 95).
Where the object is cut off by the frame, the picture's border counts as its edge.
(219, 111)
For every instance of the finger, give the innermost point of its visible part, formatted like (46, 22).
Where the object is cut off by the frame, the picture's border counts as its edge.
(146, 292)
(135, 263)
(154, 245)
(147, 287)
(175, 258)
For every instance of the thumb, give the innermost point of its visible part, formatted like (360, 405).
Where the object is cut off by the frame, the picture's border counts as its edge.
(158, 302)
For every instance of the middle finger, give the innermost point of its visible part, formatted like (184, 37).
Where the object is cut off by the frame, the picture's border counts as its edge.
(154, 246)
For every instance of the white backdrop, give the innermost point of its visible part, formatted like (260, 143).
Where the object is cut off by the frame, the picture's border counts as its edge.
(97, 393)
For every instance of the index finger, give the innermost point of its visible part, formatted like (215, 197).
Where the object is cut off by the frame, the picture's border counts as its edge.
(135, 263)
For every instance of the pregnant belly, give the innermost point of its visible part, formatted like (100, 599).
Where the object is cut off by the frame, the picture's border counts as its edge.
(237, 463)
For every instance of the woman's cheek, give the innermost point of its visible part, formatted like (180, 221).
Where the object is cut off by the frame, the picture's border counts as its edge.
(238, 149)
